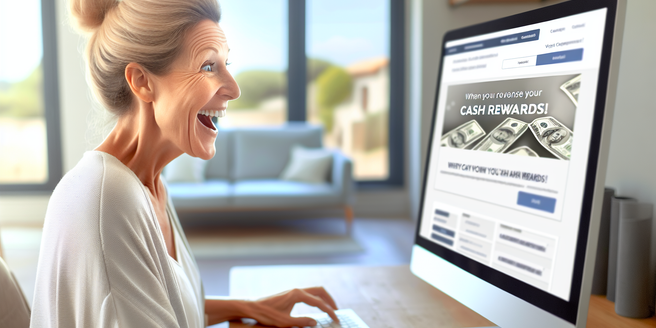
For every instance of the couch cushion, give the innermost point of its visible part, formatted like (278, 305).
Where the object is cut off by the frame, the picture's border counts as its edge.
(185, 169)
(262, 153)
(211, 194)
(309, 165)
(282, 194)
(219, 166)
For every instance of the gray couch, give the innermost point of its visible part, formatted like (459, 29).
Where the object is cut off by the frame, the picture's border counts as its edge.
(243, 175)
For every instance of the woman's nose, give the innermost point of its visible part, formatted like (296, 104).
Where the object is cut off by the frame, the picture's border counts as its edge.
(230, 89)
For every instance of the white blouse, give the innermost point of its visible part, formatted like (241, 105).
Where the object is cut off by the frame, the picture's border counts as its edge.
(103, 260)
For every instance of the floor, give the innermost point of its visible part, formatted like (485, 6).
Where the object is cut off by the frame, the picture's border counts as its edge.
(385, 242)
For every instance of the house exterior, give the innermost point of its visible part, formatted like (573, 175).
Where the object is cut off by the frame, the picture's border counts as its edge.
(361, 121)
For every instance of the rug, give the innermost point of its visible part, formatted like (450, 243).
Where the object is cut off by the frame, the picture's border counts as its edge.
(232, 244)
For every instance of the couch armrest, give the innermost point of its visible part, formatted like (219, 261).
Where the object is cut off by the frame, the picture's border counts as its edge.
(342, 177)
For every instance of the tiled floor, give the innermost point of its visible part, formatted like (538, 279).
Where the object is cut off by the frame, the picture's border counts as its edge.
(385, 242)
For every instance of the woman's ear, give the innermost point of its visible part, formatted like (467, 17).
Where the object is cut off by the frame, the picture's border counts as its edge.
(140, 82)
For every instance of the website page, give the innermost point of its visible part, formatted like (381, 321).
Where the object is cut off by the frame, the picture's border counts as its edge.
(506, 173)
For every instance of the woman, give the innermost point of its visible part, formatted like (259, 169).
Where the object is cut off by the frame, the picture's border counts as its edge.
(113, 253)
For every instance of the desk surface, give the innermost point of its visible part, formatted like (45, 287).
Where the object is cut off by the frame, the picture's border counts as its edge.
(387, 296)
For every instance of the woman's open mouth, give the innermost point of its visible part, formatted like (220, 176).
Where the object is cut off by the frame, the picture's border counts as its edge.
(205, 117)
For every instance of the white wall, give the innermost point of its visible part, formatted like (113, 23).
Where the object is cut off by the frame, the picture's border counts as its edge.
(632, 156)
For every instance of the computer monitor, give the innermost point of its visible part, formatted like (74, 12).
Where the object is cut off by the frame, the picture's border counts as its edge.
(512, 191)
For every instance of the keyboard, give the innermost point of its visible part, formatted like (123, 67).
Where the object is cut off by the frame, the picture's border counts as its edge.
(347, 319)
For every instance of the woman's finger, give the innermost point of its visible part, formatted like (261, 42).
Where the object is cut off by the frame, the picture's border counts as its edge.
(300, 322)
(315, 301)
(323, 294)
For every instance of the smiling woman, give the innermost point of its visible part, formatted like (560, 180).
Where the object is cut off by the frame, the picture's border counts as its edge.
(113, 252)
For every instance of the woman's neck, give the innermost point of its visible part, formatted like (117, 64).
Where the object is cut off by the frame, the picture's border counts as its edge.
(137, 142)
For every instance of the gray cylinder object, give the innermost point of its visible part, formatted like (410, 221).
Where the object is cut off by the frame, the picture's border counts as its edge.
(612, 245)
(633, 253)
(600, 280)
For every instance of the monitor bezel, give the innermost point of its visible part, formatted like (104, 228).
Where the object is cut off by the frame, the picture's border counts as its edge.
(566, 310)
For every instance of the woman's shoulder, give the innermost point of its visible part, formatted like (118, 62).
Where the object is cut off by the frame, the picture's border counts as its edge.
(97, 186)
(101, 206)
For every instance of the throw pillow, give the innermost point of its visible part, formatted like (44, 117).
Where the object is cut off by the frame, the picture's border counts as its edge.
(185, 169)
(308, 165)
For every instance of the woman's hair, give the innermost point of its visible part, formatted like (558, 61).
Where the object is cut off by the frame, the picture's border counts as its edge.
(146, 32)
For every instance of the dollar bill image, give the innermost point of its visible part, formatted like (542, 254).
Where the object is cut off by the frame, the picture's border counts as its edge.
(553, 136)
(502, 136)
(463, 136)
(571, 89)
(523, 151)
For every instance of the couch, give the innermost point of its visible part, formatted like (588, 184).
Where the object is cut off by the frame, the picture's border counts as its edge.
(244, 174)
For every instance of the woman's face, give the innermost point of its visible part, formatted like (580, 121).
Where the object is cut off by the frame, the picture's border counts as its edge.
(198, 83)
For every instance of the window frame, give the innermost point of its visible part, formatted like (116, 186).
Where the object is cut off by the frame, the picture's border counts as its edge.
(51, 108)
(297, 80)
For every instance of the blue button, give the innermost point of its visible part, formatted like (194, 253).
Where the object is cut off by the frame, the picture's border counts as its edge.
(444, 231)
(442, 213)
(536, 202)
(442, 239)
(559, 57)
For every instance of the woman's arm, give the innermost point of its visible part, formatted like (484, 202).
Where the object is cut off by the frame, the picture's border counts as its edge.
(273, 310)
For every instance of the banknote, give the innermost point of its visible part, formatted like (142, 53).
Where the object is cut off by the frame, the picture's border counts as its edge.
(523, 151)
(571, 89)
(502, 136)
(553, 136)
(463, 136)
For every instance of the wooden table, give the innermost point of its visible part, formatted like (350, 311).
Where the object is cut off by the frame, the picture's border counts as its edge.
(387, 296)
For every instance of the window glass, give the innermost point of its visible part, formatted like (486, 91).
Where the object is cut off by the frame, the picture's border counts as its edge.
(347, 48)
(23, 144)
(257, 37)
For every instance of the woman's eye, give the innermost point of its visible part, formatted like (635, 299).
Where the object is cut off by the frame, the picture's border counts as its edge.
(207, 67)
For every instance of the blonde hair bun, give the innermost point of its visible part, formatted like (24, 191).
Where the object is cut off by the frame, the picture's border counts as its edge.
(89, 14)
(147, 32)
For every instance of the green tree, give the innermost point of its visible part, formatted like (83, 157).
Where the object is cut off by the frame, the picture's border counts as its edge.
(334, 85)
(258, 85)
(315, 67)
(25, 98)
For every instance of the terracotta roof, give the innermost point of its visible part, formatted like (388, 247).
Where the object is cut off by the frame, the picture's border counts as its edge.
(368, 66)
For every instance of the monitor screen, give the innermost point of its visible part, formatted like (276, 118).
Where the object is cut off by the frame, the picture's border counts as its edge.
(513, 135)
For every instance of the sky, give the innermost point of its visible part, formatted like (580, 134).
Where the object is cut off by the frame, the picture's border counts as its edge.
(341, 31)
(21, 46)
(346, 31)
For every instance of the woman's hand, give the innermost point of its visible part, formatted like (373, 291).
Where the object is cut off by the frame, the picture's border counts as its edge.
(274, 310)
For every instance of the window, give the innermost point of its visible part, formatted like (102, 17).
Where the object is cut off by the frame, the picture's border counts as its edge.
(257, 36)
(347, 51)
(371, 33)
(30, 157)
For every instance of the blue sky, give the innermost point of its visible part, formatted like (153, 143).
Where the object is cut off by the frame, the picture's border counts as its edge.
(21, 46)
(341, 31)
(346, 31)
